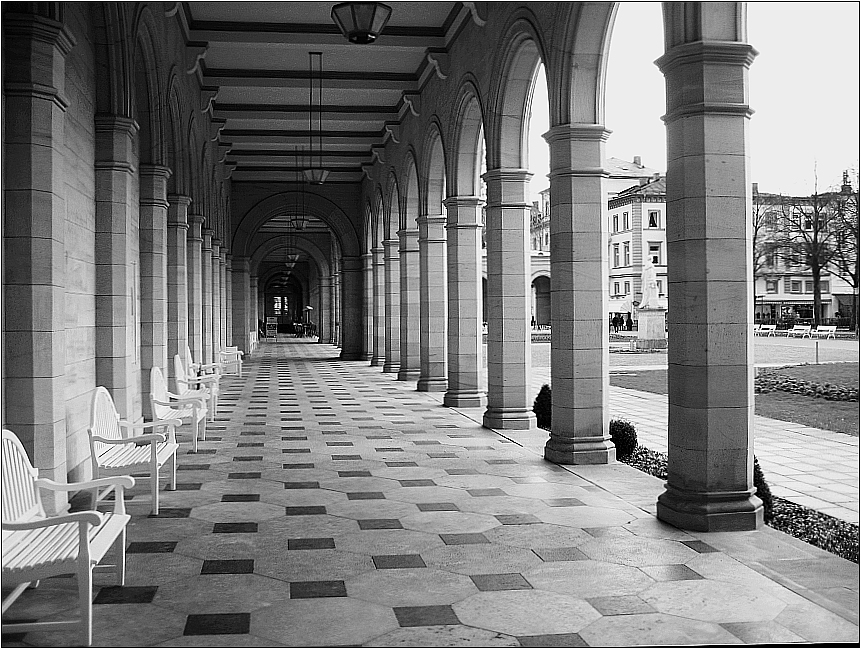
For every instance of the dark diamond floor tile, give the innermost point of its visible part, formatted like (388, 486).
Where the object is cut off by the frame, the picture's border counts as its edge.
(354, 474)
(469, 538)
(445, 455)
(202, 451)
(311, 544)
(495, 462)
(188, 486)
(517, 519)
(366, 495)
(295, 450)
(248, 458)
(244, 475)
(172, 512)
(309, 484)
(380, 524)
(389, 449)
(480, 493)
(151, 547)
(552, 640)
(528, 480)
(560, 554)
(227, 567)
(417, 483)
(298, 465)
(425, 615)
(240, 498)
(294, 438)
(400, 464)
(700, 546)
(339, 443)
(305, 510)
(425, 442)
(309, 589)
(346, 457)
(249, 445)
(250, 433)
(673, 572)
(234, 528)
(126, 595)
(564, 502)
(218, 624)
(462, 472)
(437, 507)
(389, 561)
(503, 581)
(192, 467)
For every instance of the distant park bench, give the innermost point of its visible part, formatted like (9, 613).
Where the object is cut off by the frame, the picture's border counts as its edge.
(798, 330)
(825, 331)
(766, 330)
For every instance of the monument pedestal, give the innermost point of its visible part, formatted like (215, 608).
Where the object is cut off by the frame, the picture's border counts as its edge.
(651, 328)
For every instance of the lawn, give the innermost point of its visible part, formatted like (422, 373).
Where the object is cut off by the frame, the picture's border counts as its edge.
(840, 416)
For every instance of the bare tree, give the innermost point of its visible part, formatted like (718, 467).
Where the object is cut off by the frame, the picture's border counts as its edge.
(845, 263)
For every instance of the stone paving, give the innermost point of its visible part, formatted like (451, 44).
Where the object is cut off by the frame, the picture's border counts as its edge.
(332, 505)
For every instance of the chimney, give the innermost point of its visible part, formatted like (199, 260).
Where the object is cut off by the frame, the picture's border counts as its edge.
(644, 181)
(638, 161)
(755, 188)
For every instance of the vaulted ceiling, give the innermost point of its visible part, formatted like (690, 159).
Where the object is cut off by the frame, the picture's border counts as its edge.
(254, 62)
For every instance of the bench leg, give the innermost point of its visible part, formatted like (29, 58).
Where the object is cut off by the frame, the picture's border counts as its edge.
(120, 553)
(85, 595)
(154, 490)
(172, 470)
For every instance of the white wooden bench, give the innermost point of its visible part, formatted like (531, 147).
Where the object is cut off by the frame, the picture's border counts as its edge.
(116, 450)
(799, 331)
(825, 331)
(766, 330)
(191, 385)
(37, 546)
(167, 405)
(231, 360)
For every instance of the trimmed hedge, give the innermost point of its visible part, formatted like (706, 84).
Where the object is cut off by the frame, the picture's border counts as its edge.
(624, 436)
(770, 381)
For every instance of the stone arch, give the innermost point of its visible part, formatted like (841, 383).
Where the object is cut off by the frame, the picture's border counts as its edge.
(178, 181)
(392, 219)
(274, 244)
(318, 206)
(194, 188)
(368, 220)
(467, 141)
(434, 170)
(112, 59)
(379, 218)
(411, 197)
(147, 101)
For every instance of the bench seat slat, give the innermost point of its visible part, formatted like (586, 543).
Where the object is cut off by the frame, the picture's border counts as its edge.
(128, 455)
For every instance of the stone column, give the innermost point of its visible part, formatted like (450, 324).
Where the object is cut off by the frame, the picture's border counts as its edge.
(509, 354)
(34, 240)
(216, 295)
(177, 275)
(336, 309)
(392, 306)
(117, 299)
(368, 306)
(410, 368)
(254, 298)
(580, 342)
(228, 291)
(222, 301)
(153, 241)
(351, 308)
(709, 252)
(379, 316)
(324, 319)
(432, 304)
(194, 269)
(206, 281)
(463, 236)
(241, 289)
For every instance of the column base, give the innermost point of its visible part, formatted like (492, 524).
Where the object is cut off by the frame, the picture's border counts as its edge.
(579, 450)
(464, 399)
(432, 384)
(391, 368)
(376, 360)
(723, 511)
(408, 375)
(367, 357)
(351, 356)
(509, 419)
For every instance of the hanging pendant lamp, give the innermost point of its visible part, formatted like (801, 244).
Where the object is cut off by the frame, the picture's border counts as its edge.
(315, 174)
(361, 22)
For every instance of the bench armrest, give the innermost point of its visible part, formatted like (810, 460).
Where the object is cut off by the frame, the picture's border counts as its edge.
(124, 481)
(178, 401)
(148, 438)
(206, 378)
(89, 517)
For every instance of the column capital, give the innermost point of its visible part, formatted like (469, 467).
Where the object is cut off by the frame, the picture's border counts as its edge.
(463, 201)
(352, 264)
(239, 264)
(727, 52)
(578, 132)
(179, 199)
(506, 175)
(207, 239)
(196, 219)
(155, 171)
(106, 122)
(40, 28)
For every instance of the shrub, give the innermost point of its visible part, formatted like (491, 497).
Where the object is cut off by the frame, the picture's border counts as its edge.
(543, 407)
(624, 436)
(763, 492)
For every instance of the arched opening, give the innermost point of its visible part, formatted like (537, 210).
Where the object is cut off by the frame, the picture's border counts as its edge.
(541, 302)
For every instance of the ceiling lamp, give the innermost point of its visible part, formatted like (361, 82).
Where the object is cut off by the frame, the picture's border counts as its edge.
(315, 175)
(361, 22)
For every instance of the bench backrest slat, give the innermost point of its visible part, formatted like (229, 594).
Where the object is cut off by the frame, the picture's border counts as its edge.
(20, 496)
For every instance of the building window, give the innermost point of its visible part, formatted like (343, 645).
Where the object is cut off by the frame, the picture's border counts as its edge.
(824, 286)
(615, 288)
(655, 252)
(808, 286)
(771, 286)
(626, 221)
(277, 305)
(615, 223)
(795, 286)
(627, 288)
(654, 219)
(660, 288)
(546, 238)
(615, 255)
(626, 254)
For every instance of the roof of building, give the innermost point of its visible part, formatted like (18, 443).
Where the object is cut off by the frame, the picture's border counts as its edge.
(655, 187)
(619, 168)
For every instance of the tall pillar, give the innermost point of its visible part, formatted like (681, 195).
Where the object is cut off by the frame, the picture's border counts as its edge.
(216, 295)
(228, 303)
(392, 306)
(206, 281)
(153, 255)
(34, 240)
(351, 308)
(379, 302)
(117, 315)
(254, 301)
(709, 252)
(177, 275)
(463, 236)
(410, 368)
(432, 304)
(336, 309)
(580, 345)
(509, 354)
(194, 268)
(324, 319)
(368, 306)
(241, 290)
(222, 299)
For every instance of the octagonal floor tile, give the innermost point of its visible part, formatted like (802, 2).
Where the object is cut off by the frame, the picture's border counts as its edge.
(449, 522)
(501, 505)
(654, 629)
(481, 559)
(427, 494)
(297, 497)
(538, 535)
(474, 481)
(313, 565)
(444, 635)
(637, 551)
(229, 546)
(222, 594)
(410, 587)
(377, 542)
(159, 569)
(525, 612)
(352, 485)
(588, 578)
(712, 601)
(237, 512)
(585, 516)
(546, 490)
(295, 527)
(361, 509)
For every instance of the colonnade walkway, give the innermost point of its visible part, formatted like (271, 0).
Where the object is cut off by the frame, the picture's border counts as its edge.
(333, 505)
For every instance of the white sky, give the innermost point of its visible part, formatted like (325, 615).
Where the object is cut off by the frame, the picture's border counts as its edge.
(803, 88)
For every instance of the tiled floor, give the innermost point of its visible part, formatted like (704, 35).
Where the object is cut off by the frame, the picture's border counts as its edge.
(332, 505)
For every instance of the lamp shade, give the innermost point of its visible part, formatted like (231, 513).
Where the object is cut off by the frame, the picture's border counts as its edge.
(316, 175)
(361, 22)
